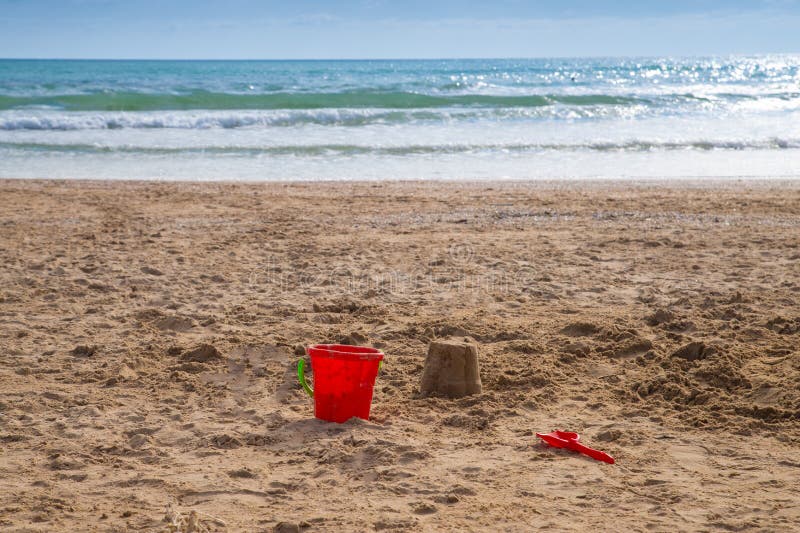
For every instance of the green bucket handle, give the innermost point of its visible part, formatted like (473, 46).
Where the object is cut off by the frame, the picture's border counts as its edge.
(301, 375)
(301, 364)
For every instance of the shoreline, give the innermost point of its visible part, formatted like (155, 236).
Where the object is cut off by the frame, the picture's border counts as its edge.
(662, 182)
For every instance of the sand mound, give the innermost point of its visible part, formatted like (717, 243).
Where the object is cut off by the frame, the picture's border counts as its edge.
(202, 354)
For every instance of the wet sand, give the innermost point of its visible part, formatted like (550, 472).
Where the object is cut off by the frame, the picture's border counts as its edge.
(149, 333)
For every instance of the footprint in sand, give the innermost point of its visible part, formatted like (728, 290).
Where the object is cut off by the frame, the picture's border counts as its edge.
(175, 323)
(580, 329)
(633, 348)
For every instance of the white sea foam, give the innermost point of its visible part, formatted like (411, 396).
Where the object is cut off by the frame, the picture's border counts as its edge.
(57, 120)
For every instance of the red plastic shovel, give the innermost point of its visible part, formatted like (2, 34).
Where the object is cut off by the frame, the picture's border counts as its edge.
(569, 440)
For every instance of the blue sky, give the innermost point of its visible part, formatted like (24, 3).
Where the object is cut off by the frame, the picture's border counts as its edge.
(301, 29)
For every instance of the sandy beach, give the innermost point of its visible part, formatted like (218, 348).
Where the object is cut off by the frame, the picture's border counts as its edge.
(150, 333)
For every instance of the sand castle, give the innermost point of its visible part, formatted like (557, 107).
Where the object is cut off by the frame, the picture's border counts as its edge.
(451, 369)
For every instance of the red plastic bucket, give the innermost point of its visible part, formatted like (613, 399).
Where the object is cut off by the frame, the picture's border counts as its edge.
(344, 378)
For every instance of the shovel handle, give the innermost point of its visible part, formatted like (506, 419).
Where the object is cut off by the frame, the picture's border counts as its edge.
(591, 452)
(301, 375)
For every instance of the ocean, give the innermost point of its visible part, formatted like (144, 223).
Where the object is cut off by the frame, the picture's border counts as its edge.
(716, 117)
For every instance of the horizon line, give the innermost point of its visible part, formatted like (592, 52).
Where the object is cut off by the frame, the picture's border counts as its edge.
(624, 56)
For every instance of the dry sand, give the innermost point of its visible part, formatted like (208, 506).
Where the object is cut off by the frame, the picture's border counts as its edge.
(148, 333)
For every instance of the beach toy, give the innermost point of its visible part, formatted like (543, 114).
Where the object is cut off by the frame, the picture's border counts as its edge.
(569, 440)
(344, 377)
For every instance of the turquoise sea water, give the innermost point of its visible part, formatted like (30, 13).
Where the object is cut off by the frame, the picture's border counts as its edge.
(440, 119)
